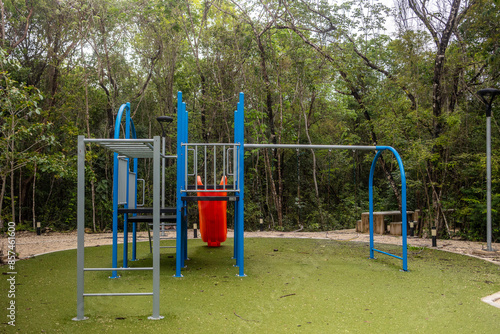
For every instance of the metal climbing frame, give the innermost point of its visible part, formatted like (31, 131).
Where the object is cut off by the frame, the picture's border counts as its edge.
(379, 150)
(235, 186)
(132, 148)
(183, 178)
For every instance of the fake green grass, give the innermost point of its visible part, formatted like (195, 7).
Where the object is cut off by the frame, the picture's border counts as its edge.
(293, 285)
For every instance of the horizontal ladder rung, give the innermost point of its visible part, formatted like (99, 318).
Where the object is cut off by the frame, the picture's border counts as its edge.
(118, 294)
(146, 210)
(147, 219)
(114, 269)
(210, 198)
(164, 224)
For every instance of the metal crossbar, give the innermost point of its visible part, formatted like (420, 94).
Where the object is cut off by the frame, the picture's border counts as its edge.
(118, 294)
(121, 269)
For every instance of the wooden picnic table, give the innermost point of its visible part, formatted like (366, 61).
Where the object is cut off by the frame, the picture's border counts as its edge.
(379, 224)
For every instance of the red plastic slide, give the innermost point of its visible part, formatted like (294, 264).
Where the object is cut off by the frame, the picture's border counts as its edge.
(213, 219)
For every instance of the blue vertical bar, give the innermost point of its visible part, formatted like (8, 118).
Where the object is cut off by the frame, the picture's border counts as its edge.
(404, 215)
(235, 220)
(115, 194)
(239, 138)
(125, 216)
(125, 225)
(370, 195)
(184, 234)
(181, 128)
(185, 139)
(134, 225)
(114, 274)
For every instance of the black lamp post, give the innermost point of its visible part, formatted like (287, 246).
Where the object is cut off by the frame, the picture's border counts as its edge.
(483, 93)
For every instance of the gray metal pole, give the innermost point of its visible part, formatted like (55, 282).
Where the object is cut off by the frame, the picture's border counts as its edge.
(492, 92)
(317, 147)
(488, 184)
(156, 230)
(80, 257)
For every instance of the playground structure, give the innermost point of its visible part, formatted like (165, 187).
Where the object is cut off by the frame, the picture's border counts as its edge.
(199, 167)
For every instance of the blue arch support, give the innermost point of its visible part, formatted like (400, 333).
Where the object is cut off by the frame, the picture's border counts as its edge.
(404, 256)
(129, 129)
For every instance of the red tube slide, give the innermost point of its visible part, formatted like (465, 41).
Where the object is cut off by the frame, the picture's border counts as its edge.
(213, 218)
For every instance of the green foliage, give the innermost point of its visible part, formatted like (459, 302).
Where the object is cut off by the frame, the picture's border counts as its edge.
(312, 72)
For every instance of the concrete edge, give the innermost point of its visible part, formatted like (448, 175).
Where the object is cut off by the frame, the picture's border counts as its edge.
(491, 299)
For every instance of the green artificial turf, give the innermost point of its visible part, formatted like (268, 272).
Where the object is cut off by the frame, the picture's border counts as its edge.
(293, 285)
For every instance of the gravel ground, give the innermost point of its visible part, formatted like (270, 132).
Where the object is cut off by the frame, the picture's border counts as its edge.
(28, 244)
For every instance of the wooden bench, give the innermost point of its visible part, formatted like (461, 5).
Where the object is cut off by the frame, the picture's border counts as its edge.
(379, 225)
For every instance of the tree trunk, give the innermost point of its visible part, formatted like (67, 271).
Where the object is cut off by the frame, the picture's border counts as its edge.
(306, 129)
(276, 198)
(441, 39)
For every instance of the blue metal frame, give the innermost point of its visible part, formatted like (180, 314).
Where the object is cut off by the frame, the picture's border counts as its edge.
(129, 129)
(181, 212)
(404, 256)
(181, 206)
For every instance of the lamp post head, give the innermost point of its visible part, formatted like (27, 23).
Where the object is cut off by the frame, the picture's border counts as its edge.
(493, 92)
(164, 119)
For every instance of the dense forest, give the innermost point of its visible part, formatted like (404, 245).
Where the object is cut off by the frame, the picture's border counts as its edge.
(317, 71)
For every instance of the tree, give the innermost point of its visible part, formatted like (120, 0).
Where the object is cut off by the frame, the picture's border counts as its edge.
(15, 23)
(21, 133)
(441, 20)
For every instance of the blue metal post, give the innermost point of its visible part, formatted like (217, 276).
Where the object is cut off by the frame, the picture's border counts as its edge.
(184, 234)
(125, 216)
(370, 196)
(239, 138)
(134, 225)
(403, 206)
(235, 226)
(114, 273)
(181, 135)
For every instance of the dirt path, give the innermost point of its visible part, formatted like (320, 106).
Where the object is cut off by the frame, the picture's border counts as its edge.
(29, 244)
